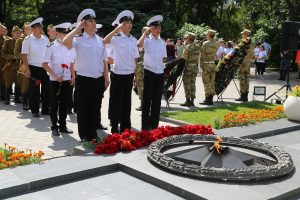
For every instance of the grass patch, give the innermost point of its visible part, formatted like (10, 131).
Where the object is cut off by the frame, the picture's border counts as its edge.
(209, 115)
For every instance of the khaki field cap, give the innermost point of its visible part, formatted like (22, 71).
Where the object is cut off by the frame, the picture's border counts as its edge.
(16, 29)
(190, 35)
(211, 32)
(247, 31)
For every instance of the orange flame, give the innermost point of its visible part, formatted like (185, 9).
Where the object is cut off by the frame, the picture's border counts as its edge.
(217, 144)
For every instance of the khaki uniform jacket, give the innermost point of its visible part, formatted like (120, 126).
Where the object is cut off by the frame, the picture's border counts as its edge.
(8, 54)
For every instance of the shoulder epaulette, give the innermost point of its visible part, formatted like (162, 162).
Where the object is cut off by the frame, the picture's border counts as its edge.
(27, 37)
(50, 44)
(117, 34)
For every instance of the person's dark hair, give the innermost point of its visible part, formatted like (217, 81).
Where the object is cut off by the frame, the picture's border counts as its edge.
(229, 44)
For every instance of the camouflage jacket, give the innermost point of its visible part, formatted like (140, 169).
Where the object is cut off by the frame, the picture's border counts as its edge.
(208, 52)
(191, 54)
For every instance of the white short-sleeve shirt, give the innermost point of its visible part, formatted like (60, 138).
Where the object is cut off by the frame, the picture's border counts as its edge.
(155, 51)
(125, 51)
(35, 49)
(90, 55)
(109, 51)
(219, 53)
(57, 56)
(261, 56)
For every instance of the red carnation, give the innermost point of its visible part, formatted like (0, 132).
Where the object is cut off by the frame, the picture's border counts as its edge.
(37, 82)
(64, 66)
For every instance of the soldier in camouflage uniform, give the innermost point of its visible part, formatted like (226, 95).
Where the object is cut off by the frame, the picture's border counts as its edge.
(191, 55)
(244, 70)
(12, 65)
(2, 62)
(139, 74)
(207, 63)
(23, 81)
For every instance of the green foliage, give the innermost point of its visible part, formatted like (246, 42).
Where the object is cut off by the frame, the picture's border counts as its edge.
(228, 17)
(199, 30)
(295, 91)
(260, 35)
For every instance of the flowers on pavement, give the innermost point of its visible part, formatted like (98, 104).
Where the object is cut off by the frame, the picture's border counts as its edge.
(10, 156)
(131, 140)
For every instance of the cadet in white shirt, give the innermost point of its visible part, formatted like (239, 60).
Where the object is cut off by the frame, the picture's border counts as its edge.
(59, 63)
(33, 50)
(122, 71)
(91, 73)
(155, 52)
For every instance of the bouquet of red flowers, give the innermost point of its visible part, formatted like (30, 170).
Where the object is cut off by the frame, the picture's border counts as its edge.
(131, 140)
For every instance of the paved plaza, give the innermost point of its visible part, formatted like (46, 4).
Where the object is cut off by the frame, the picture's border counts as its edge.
(131, 175)
(18, 128)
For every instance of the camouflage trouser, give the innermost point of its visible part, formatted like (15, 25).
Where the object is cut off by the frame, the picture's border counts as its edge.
(139, 77)
(243, 75)
(189, 81)
(208, 78)
(23, 81)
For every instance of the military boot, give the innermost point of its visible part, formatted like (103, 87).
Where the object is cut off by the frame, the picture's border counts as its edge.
(186, 103)
(205, 101)
(210, 101)
(241, 98)
(245, 97)
(192, 102)
(25, 101)
(7, 96)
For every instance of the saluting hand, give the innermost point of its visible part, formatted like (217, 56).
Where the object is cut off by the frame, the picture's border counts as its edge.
(119, 28)
(147, 32)
(79, 27)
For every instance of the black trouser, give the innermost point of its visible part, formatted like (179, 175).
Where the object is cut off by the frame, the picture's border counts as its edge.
(89, 93)
(153, 87)
(39, 74)
(59, 100)
(120, 101)
(71, 100)
(260, 68)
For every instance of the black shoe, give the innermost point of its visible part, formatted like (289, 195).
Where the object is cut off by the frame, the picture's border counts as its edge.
(35, 115)
(65, 130)
(45, 113)
(101, 127)
(55, 132)
(25, 107)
